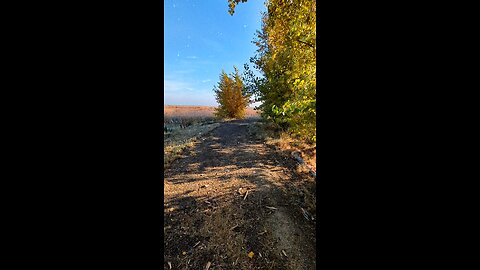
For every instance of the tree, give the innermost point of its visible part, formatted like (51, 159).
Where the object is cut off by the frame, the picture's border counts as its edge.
(286, 58)
(232, 4)
(231, 96)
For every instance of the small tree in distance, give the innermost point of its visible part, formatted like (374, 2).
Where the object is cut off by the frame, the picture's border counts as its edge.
(231, 96)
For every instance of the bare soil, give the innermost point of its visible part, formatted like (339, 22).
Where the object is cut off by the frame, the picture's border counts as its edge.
(232, 196)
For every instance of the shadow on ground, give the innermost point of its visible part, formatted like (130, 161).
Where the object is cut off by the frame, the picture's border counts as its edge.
(232, 195)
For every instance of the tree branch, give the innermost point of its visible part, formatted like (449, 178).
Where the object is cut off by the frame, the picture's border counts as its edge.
(306, 43)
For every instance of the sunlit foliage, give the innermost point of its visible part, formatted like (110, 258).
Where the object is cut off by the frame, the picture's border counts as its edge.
(230, 94)
(286, 59)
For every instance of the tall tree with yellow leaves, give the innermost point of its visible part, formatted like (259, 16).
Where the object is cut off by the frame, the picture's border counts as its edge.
(231, 96)
(286, 59)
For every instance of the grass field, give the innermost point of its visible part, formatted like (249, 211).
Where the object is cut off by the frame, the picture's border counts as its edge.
(199, 112)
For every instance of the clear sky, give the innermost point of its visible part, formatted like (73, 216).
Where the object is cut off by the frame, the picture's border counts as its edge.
(200, 39)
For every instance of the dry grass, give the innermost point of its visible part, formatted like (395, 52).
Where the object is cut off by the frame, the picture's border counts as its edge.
(287, 144)
(186, 125)
(172, 111)
(181, 139)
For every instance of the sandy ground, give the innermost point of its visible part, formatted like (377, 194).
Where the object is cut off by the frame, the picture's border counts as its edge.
(232, 196)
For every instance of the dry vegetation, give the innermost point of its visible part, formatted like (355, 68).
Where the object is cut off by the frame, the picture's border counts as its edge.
(183, 112)
(307, 152)
(185, 125)
(181, 138)
(283, 142)
(200, 112)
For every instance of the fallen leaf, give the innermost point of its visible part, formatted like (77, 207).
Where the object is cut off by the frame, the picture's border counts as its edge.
(250, 254)
(283, 251)
(270, 207)
(208, 265)
(183, 253)
(170, 265)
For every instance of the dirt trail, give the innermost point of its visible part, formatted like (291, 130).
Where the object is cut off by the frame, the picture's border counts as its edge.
(231, 195)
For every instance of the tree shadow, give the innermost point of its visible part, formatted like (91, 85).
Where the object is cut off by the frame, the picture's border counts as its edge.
(222, 227)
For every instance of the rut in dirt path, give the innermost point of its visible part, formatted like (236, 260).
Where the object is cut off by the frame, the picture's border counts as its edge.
(230, 197)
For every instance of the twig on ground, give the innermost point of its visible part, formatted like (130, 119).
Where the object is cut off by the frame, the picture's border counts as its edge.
(305, 213)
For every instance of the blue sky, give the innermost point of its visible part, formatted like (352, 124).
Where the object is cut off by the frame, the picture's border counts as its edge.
(201, 39)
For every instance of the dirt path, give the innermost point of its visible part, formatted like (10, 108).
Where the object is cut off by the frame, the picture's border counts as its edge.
(231, 195)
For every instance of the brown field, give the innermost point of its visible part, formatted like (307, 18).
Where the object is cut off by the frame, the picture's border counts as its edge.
(174, 111)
